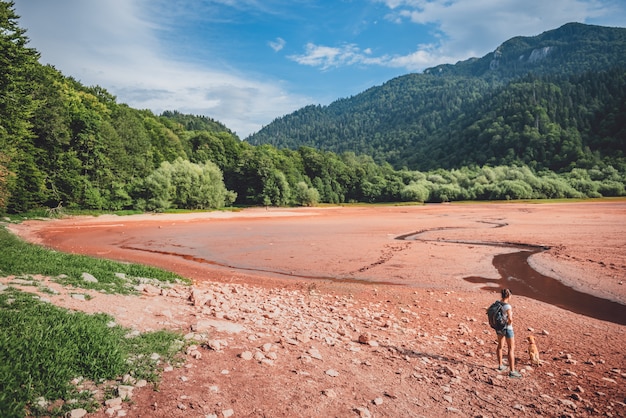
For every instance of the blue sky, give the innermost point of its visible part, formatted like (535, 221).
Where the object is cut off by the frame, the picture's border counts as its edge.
(247, 62)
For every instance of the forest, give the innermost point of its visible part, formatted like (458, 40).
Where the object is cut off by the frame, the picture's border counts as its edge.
(554, 101)
(64, 145)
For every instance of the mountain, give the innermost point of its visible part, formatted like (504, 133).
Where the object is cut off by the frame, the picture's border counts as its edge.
(553, 101)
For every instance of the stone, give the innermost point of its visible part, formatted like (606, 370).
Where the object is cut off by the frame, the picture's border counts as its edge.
(568, 403)
(113, 403)
(246, 355)
(363, 412)
(78, 413)
(125, 391)
(220, 326)
(314, 353)
(216, 345)
(329, 393)
(199, 298)
(89, 278)
(332, 373)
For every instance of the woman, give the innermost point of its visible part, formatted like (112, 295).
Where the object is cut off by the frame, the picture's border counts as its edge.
(507, 333)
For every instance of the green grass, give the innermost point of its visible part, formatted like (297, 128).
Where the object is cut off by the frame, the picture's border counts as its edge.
(20, 258)
(43, 348)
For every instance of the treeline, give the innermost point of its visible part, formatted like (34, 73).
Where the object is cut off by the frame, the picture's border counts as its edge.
(63, 144)
(425, 122)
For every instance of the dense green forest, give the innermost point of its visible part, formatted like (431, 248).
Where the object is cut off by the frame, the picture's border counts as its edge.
(66, 145)
(554, 101)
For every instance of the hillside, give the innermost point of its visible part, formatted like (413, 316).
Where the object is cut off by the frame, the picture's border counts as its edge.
(564, 87)
(64, 145)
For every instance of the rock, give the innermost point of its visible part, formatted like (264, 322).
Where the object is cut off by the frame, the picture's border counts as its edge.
(332, 373)
(330, 393)
(89, 278)
(568, 403)
(221, 326)
(449, 371)
(113, 403)
(227, 413)
(216, 345)
(314, 353)
(576, 397)
(378, 401)
(148, 289)
(363, 412)
(41, 402)
(246, 355)
(125, 391)
(365, 338)
(78, 413)
(199, 298)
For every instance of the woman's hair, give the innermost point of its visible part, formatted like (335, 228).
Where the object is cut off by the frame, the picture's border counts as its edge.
(505, 293)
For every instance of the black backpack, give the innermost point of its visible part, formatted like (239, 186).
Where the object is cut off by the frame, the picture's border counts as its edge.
(495, 313)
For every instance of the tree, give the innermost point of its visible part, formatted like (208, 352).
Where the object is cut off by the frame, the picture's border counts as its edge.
(185, 185)
(305, 195)
(16, 107)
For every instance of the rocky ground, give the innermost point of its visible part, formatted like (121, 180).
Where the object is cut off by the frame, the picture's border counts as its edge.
(265, 345)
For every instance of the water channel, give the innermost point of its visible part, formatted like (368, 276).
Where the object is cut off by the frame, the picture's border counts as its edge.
(517, 275)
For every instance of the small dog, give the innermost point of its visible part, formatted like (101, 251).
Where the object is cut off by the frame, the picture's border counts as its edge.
(532, 351)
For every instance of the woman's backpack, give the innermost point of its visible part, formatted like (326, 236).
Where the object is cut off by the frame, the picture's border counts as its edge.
(495, 314)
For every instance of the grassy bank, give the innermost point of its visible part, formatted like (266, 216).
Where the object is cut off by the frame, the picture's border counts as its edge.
(20, 258)
(49, 355)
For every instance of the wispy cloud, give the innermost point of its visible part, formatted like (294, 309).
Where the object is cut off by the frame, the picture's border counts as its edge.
(210, 57)
(277, 44)
(474, 28)
(112, 44)
(461, 29)
(327, 57)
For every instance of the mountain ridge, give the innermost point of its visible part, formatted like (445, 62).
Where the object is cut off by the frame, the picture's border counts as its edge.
(401, 120)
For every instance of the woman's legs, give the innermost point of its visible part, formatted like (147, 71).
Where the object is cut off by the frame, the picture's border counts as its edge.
(499, 349)
(510, 342)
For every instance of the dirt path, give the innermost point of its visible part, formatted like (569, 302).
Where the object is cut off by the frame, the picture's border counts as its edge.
(281, 299)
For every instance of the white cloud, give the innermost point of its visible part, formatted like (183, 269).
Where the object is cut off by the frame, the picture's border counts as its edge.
(473, 28)
(108, 43)
(327, 57)
(462, 29)
(278, 44)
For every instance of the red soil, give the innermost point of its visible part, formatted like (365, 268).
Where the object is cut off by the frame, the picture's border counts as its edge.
(433, 352)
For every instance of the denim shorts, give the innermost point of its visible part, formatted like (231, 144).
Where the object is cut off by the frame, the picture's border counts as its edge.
(507, 332)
